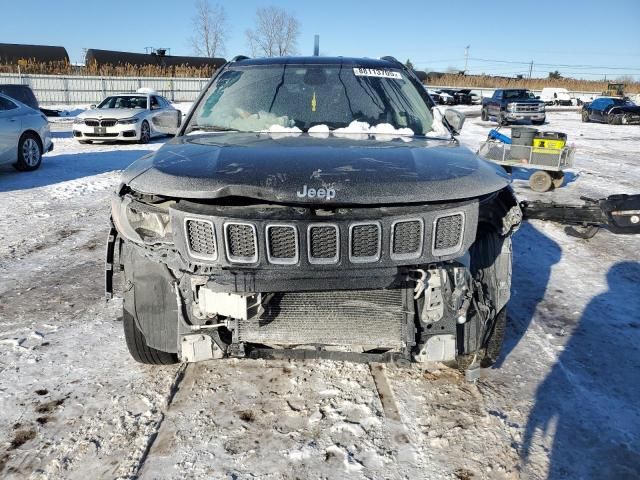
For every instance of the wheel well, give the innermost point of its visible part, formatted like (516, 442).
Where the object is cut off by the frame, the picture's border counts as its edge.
(35, 134)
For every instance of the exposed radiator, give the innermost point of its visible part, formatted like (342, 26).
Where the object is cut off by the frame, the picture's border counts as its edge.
(370, 318)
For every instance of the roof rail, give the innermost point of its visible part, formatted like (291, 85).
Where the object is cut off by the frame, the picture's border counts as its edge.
(238, 58)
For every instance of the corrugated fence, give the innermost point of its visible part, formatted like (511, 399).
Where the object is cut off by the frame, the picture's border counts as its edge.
(73, 89)
(82, 90)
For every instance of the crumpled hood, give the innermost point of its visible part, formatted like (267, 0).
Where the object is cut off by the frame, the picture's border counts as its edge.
(306, 169)
(117, 113)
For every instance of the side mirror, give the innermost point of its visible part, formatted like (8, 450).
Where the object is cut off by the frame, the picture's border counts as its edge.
(537, 97)
(92, 106)
(455, 119)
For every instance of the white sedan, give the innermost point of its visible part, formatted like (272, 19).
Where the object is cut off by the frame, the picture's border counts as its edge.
(135, 117)
(24, 134)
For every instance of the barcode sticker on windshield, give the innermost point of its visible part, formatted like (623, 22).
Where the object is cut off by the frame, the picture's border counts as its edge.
(376, 72)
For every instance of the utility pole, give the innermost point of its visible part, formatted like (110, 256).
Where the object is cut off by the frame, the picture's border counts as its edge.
(530, 69)
(466, 57)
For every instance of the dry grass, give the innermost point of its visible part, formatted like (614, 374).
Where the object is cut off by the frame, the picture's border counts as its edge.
(186, 71)
(64, 68)
(485, 81)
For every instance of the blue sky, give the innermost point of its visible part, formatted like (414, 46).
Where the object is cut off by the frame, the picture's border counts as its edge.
(577, 37)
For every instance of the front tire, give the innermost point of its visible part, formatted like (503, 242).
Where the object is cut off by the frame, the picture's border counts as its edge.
(137, 345)
(29, 152)
(484, 115)
(585, 116)
(145, 133)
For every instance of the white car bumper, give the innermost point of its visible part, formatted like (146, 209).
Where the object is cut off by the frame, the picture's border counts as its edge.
(126, 132)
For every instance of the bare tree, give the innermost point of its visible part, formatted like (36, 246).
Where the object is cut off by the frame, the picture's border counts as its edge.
(209, 29)
(275, 34)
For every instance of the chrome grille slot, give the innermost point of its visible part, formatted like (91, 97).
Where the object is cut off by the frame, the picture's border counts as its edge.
(201, 239)
(448, 230)
(282, 244)
(241, 242)
(407, 239)
(364, 242)
(322, 242)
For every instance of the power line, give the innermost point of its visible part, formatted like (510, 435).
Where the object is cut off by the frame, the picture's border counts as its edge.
(562, 65)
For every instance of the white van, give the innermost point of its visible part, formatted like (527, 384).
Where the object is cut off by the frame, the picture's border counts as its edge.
(555, 96)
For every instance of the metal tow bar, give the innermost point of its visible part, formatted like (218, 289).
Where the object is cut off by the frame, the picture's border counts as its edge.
(618, 213)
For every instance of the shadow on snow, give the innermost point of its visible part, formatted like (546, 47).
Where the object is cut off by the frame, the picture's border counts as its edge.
(589, 400)
(68, 166)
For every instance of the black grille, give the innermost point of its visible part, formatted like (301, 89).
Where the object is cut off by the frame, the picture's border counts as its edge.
(365, 241)
(448, 232)
(282, 243)
(92, 123)
(108, 122)
(407, 237)
(323, 242)
(241, 242)
(201, 238)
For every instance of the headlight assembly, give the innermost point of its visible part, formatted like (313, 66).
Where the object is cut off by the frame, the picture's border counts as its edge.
(128, 121)
(141, 223)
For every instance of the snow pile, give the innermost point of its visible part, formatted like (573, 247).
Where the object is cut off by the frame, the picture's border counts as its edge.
(380, 129)
(278, 131)
(438, 127)
(319, 131)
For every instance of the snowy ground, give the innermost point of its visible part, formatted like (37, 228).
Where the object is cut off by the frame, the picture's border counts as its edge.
(562, 403)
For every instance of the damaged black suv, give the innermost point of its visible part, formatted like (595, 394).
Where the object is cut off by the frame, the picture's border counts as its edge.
(314, 208)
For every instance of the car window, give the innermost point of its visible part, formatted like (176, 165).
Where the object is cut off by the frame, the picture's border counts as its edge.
(6, 104)
(22, 93)
(304, 96)
(124, 101)
(155, 103)
(509, 94)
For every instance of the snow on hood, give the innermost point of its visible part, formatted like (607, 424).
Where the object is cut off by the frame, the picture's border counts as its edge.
(382, 131)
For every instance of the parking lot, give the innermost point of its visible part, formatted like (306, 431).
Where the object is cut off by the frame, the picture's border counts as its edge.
(559, 401)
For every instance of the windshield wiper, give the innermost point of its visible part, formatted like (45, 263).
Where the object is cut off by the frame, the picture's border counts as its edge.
(212, 128)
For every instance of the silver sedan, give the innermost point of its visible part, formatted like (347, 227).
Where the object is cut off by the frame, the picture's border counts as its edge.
(24, 134)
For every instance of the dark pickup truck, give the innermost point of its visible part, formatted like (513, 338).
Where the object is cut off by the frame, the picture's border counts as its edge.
(513, 104)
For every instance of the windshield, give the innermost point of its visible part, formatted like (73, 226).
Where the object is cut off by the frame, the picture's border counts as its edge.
(317, 97)
(518, 94)
(124, 101)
